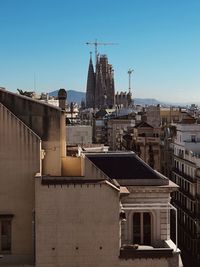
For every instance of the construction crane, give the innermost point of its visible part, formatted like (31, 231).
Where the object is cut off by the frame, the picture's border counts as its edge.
(95, 43)
(129, 79)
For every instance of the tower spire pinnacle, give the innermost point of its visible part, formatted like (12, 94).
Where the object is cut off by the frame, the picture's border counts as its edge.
(90, 90)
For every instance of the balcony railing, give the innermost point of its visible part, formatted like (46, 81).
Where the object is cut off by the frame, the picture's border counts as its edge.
(197, 140)
(177, 203)
(185, 176)
(132, 252)
(160, 247)
(148, 140)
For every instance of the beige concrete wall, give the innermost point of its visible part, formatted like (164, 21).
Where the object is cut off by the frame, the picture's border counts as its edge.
(90, 171)
(47, 121)
(77, 225)
(55, 145)
(72, 166)
(19, 162)
(79, 134)
(16, 265)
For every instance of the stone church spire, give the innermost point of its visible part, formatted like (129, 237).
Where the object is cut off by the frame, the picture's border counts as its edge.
(90, 90)
(100, 91)
(104, 90)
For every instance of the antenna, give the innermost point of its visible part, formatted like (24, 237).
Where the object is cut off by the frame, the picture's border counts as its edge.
(95, 43)
(129, 79)
(34, 82)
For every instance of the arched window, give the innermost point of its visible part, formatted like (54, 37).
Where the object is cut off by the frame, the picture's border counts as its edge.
(142, 228)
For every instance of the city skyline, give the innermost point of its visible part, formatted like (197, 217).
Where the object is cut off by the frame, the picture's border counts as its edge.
(43, 45)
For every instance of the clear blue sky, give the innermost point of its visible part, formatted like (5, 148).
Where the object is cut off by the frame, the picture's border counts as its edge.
(159, 39)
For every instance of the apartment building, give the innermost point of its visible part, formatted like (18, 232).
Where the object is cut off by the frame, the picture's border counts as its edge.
(78, 135)
(116, 129)
(146, 143)
(186, 174)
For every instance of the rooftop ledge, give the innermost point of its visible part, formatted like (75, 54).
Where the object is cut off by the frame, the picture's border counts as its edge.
(145, 252)
(167, 249)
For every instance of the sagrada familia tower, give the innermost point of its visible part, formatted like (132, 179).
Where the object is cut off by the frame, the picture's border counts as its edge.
(100, 92)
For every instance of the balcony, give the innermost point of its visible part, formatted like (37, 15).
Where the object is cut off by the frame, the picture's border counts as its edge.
(140, 140)
(185, 176)
(177, 203)
(152, 140)
(147, 140)
(158, 248)
(181, 154)
(138, 251)
(196, 140)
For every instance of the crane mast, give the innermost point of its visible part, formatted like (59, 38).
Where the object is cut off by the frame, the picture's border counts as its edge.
(129, 79)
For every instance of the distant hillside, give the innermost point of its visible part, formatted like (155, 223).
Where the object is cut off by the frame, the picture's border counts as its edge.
(77, 96)
(72, 95)
(146, 101)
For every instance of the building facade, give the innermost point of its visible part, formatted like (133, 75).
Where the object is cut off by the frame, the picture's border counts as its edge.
(186, 174)
(146, 143)
(117, 128)
(123, 99)
(78, 135)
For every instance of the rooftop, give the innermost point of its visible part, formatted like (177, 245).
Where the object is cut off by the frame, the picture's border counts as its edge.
(127, 168)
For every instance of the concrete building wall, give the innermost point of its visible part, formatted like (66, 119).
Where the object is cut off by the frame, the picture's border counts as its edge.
(90, 171)
(145, 153)
(147, 145)
(169, 115)
(72, 166)
(99, 131)
(153, 116)
(46, 121)
(77, 225)
(20, 161)
(79, 134)
(16, 265)
(116, 129)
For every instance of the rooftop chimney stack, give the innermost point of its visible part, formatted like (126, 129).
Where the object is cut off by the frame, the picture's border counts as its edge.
(62, 96)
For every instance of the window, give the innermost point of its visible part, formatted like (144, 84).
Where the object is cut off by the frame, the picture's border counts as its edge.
(142, 228)
(5, 233)
(182, 168)
(193, 138)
